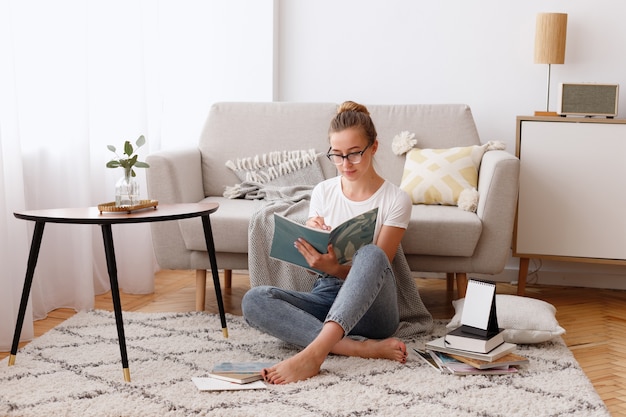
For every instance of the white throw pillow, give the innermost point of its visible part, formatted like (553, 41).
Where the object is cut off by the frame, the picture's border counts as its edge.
(525, 320)
(279, 168)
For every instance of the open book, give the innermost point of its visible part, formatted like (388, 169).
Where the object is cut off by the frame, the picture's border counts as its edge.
(346, 238)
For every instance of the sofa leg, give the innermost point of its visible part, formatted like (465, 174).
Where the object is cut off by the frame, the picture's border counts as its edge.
(521, 277)
(200, 289)
(449, 282)
(461, 283)
(228, 278)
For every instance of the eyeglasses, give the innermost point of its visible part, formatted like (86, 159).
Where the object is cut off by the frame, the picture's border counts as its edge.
(352, 157)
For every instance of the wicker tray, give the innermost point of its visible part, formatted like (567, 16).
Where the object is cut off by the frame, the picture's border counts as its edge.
(143, 204)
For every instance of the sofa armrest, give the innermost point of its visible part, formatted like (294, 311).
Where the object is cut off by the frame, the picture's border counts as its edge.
(498, 185)
(175, 176)
(498, 179)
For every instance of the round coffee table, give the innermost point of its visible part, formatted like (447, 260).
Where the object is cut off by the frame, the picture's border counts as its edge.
(92, 215)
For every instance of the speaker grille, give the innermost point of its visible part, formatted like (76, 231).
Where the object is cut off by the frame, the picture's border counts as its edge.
(589, 99)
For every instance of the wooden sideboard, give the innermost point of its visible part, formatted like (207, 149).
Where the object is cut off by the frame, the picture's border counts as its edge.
(572, 194)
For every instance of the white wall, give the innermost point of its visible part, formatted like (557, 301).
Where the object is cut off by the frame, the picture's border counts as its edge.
(477, 52)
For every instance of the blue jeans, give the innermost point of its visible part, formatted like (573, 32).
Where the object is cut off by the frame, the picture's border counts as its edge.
(364, 304)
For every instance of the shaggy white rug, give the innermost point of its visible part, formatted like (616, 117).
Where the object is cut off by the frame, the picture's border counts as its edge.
(75, 370)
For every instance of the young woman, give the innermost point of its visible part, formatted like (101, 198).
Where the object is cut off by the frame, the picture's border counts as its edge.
(348, 300)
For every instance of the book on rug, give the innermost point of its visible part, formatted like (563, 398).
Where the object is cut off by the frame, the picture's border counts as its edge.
(439, 345)
(239, 372)
(510, 359)
(346, 238)
(460, 339)
(426, 357)
(213, 384)
(453, 366)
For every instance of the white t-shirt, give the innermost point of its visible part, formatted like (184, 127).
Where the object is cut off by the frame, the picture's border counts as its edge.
(329, 202)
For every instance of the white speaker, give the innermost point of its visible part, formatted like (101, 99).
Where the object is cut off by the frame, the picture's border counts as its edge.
(588, 99)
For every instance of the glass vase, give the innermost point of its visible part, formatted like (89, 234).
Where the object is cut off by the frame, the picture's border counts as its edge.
(127, 190)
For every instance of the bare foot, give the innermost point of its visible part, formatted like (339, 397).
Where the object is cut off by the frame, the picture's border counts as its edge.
(306, 364)
(392, 349)
(297, 368)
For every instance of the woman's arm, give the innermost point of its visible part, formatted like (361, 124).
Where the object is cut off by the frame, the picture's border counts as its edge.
(389, 239)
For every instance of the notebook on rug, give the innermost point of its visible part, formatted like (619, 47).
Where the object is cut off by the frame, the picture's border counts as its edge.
(239, 372)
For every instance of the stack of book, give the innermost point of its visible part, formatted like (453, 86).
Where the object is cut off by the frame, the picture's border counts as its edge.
(477, 346)
(457, 364)
(459, 354)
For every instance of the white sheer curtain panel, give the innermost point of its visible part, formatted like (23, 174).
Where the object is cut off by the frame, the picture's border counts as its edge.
(13, 235)
(77, 75)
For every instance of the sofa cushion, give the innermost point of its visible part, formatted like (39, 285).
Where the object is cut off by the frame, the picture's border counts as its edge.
(439, 176)
(233, 130)
(229, 224)
(432, 230)
(434, 126)
(441, 231)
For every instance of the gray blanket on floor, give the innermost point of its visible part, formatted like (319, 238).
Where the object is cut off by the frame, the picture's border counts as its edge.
(293, 202)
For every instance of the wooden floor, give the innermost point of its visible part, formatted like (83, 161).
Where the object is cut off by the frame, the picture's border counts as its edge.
(595, 320)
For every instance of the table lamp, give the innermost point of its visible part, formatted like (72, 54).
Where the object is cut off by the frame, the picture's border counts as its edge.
(550, 36)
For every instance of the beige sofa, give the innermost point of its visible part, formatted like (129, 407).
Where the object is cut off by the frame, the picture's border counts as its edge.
(442, 239)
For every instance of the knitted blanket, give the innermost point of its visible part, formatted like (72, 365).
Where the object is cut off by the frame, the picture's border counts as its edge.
(293, 202)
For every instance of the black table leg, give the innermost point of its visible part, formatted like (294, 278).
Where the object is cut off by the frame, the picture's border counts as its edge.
(115, 293)
(28, 281)
(210, 246)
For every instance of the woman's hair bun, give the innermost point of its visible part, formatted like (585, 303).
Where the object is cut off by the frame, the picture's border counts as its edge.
(352, 106)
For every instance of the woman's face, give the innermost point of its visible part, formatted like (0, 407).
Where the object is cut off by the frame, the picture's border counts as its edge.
(352, 141)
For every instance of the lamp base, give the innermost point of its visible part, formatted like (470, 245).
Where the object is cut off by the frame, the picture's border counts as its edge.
(546, 113)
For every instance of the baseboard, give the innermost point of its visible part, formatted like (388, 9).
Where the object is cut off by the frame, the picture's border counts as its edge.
(568, 274)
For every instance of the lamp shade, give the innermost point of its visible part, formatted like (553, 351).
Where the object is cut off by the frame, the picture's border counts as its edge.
(550, 37)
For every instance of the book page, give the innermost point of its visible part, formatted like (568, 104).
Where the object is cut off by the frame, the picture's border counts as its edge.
(352, 235)
(212, 384)
(346, 238)
(286, 232)
(477, 305)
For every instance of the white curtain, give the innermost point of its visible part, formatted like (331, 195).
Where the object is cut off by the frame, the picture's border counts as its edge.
(77, 75)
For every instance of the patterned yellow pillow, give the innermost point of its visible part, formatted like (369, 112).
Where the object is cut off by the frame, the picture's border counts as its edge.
(438, 176)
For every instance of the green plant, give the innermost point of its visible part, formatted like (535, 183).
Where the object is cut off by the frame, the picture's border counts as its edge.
(131, 159)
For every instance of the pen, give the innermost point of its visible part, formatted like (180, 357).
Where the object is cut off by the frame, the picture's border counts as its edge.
(325, 227)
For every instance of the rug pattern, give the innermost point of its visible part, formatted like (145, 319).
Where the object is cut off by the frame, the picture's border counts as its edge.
(75, 369)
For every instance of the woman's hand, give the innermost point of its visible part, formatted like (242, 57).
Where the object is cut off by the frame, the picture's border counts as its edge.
(317, 222)
(325, 262)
